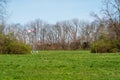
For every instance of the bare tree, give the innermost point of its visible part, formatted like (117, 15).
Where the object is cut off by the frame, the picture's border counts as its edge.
(2, 14)
(2, 8)
(112, 14)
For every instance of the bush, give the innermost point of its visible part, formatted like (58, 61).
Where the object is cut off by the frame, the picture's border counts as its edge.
(75, 45)
(114, 50)
(18, 48)
(106, 45)
(86, 45)
(12, 46)
(101, 46)
(117, 44)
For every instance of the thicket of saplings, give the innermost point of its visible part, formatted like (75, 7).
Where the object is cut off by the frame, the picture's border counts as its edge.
(106, 45)
(9, 45)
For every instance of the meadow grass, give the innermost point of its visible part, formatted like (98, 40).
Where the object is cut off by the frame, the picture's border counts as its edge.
(60, 65)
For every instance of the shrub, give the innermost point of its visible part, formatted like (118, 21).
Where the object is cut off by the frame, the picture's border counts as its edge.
(75, 45)
(106, 45)
(114, 50)
(117, 44)
(3, 43)
(18, 48)
(86, 45)
(12, 46)
(101, 46)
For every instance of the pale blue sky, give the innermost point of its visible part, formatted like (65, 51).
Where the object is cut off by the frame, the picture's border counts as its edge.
(23, 11)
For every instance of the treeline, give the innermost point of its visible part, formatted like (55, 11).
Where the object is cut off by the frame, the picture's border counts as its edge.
(66, 35)
(72, 34)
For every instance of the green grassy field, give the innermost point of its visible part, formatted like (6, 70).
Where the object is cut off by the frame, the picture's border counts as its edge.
(60, 65)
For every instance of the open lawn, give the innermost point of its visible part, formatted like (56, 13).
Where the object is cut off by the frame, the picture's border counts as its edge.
(60, 65)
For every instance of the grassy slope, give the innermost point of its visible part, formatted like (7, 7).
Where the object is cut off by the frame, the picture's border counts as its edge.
(60, 65)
